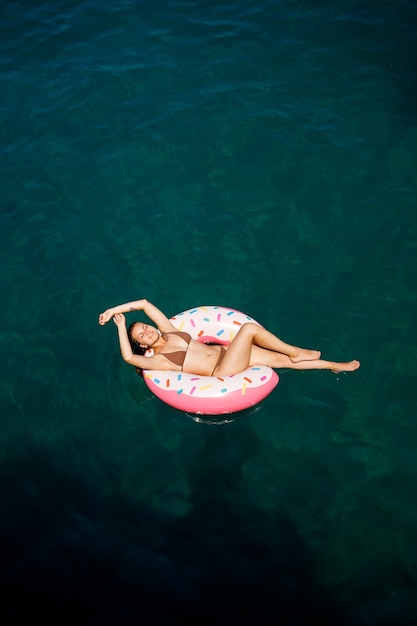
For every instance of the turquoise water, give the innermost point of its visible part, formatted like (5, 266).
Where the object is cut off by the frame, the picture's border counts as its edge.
(258, 155)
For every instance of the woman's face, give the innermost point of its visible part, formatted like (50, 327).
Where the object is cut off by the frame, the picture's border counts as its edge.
(144, 334)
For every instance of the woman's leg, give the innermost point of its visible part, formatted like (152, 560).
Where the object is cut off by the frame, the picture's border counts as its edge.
(239, 352)
(261, 356)
(251, 333)
(265, 339)
(272, 351)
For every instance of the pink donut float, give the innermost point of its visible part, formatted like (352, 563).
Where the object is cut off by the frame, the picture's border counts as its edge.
(211, 395)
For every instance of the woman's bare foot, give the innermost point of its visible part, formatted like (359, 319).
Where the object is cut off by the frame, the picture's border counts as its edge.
(305, 355)
(350, 366)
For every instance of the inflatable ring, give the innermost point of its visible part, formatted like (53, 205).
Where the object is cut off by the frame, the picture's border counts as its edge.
(211, 395)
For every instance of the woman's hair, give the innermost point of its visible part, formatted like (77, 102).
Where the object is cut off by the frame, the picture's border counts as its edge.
(136, 347)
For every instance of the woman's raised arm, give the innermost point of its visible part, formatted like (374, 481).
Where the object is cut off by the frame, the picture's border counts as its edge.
(125, 347)
(158, 317)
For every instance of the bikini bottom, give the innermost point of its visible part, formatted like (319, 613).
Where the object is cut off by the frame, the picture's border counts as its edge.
(220, 359)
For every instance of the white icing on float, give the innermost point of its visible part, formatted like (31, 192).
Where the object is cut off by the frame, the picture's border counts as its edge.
(212, 395)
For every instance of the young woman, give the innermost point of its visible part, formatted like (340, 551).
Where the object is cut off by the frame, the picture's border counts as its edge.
(176, 350)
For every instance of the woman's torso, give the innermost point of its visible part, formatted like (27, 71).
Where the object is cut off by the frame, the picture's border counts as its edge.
(188, 355)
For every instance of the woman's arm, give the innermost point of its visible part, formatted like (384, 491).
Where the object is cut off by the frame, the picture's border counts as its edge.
(125, 347)
(154, 314)
(136, 305)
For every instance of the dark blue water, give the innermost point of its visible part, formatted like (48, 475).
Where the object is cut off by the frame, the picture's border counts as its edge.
(258, 155)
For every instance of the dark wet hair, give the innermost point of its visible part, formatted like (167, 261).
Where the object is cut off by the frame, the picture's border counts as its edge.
(136, 347)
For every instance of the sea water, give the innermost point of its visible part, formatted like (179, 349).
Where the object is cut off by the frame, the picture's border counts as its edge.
(258, 155)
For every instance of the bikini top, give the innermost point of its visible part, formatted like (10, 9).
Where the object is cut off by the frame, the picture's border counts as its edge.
(178, 357)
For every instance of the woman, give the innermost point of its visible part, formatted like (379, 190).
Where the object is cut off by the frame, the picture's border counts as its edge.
(176, 350)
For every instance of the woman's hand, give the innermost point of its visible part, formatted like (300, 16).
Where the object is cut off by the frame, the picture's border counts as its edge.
(105, 317)
(119, 319)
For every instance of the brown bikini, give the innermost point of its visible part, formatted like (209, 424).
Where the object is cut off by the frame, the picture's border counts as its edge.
(220, 359)
(178, 357)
